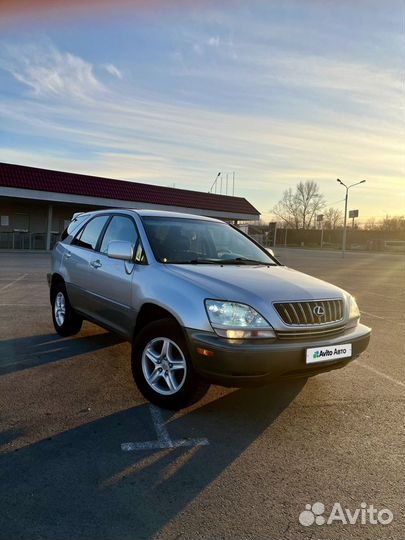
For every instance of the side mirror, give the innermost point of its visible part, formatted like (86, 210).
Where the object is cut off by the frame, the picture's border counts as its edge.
(270, 251)
(119, 249)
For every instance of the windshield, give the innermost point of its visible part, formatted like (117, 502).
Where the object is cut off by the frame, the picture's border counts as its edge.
(194, 241)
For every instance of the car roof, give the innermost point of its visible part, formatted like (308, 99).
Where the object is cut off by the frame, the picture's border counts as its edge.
(166, 213)
(155, 213)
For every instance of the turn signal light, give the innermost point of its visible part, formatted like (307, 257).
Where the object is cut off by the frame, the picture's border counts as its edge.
(205, 352)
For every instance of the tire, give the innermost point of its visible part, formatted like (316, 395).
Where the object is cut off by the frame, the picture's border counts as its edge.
(160, 354)
(65, 319)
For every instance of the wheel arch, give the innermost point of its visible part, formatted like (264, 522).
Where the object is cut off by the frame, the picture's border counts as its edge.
(55, 280)
(151, 312)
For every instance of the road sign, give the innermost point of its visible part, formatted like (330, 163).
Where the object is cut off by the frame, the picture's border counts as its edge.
(353, 214)
(319, 217)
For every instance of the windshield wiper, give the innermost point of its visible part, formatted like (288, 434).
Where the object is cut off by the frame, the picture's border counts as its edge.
(237, 260)
(204, 261)
(243, 260)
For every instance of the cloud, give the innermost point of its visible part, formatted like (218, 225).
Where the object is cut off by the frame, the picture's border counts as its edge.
(198, 49)
(48, 72)
(113, 70)
(162, 139)
(213, 41)
(325, 73)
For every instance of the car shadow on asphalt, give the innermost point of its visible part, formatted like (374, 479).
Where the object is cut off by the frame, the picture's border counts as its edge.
(23, 353)
(81, 484)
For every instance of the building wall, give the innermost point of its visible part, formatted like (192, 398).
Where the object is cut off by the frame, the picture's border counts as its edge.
(34, 214)
(24, 221)
(23, 224)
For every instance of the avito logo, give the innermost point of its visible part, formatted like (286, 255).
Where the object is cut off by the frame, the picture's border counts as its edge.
(328, 352)
(366, 514)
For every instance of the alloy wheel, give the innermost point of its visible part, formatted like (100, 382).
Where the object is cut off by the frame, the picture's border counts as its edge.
(60, 308)
(164, 366)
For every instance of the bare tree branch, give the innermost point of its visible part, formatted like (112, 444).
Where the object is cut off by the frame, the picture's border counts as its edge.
(332, 218)
(298, 208)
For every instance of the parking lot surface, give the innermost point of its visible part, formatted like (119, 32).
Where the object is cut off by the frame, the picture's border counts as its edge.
(83, 456)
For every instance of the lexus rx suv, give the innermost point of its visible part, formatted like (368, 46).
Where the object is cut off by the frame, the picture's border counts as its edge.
(200, 301)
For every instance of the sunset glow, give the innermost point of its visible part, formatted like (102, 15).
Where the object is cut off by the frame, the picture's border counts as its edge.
(276, 91)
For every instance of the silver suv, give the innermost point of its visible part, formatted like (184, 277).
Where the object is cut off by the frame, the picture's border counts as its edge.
(200, 302)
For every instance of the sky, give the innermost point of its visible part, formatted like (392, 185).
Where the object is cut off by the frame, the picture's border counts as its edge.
(277, 91)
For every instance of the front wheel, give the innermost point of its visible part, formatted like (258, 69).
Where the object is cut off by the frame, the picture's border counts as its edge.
(162, 369)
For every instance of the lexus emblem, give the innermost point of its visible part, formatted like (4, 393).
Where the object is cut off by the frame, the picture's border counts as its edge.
(319, 311)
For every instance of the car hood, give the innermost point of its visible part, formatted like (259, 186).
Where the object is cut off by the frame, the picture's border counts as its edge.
(263, 283)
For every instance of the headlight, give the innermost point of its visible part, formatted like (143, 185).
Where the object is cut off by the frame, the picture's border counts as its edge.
(237, 321)
(354, 313)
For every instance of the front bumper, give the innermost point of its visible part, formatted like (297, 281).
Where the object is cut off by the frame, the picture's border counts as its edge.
(245, 363)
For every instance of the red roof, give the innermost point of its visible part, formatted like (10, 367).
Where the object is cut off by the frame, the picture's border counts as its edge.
(19, 176)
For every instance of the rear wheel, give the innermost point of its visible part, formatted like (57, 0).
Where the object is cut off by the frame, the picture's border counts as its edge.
(162, 369)
(65, 320)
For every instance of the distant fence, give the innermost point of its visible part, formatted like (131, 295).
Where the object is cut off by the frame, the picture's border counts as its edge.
(356, 239)
(25, 240)
(394, 245)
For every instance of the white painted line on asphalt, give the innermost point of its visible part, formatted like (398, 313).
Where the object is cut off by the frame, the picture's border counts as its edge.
(156, 445)
(163, 438)
(161, 430)
(372, 315)
(12, 283)
(393, 321)
(381, 374)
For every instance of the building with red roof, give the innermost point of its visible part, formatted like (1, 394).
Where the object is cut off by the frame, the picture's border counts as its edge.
(36, 204)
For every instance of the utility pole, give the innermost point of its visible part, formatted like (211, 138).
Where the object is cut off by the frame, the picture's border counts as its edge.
(345, 217)
(319, 219)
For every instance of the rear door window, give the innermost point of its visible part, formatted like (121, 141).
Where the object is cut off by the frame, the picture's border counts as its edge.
(89, 235)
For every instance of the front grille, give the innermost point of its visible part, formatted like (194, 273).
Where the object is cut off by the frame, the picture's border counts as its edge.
(304, 313)
(302, 335)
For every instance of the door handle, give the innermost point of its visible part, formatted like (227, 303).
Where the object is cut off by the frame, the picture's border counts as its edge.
(96, 264)
(68, 254)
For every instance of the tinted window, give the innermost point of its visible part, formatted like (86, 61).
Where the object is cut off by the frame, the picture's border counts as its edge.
(185, 241)
(89, 235)
(73, 225)
(119, 228)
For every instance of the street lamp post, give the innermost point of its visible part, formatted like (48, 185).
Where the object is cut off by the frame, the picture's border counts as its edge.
(214, 183)
(345, 217)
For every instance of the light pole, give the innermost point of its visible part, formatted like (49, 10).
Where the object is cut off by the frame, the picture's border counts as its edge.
(215, 183)
(346, 198)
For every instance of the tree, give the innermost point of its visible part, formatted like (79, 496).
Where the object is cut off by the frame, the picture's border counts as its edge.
(297, 209)
(387, 224)
(371, 224)
(332, 218)
(393, 224)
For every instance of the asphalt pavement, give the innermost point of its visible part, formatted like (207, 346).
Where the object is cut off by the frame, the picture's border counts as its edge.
(82, 455)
